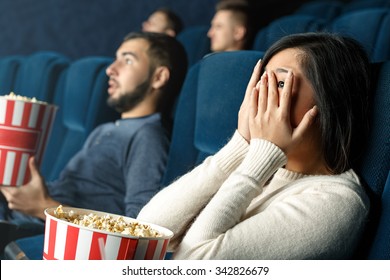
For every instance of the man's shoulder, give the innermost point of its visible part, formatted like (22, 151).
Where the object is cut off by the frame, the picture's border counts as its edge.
(152, 129)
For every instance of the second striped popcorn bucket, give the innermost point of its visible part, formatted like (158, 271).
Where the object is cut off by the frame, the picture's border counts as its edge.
(25, 127)
(68, 241)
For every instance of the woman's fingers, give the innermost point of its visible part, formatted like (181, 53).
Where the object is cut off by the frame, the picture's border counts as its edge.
(253, 108)
(243, 114)
(273, 93)
(255, 75)
(253, 80)
(285, 97)
(307, 120)
(263, 93)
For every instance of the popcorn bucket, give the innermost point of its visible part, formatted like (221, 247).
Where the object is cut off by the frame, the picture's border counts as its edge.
(67, 241)
(25, 127)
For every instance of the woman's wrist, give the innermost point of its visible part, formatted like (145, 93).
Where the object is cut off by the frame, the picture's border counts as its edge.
(262, 159)
(232, 154)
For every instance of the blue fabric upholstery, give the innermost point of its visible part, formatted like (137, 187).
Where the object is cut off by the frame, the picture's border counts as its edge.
(371, 27)
(9, 67)
(326, 10)
(82, 106)
(182, 154)
(375, 165)
(223, 78)
(364, 4)
(39, 75)
(195, 42)
(380, 248)
(283, 26)
(206, 114)
(32, 246)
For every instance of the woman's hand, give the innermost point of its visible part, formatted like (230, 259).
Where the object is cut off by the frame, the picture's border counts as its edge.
(269, 116)
(32, 198)
(243, 114)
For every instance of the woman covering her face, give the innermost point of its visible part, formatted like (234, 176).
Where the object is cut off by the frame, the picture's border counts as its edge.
(284, 186)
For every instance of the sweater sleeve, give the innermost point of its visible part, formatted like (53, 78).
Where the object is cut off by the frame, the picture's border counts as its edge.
(176, 206)
(223, 213)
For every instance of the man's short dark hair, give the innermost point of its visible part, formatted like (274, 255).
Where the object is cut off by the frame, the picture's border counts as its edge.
(174, 21)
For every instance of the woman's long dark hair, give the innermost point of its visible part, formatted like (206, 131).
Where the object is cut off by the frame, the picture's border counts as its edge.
(338, 69)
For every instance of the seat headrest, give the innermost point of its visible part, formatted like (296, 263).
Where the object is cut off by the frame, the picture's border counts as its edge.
(222, 82)
(375, 163)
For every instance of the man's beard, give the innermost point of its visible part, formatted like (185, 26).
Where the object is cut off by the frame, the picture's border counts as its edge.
(128, 101)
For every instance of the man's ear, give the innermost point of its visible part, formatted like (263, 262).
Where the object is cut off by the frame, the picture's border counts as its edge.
(239, 33)
(160, 77)
(170, 32)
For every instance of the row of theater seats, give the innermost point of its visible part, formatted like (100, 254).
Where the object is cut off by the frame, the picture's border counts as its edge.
(370, 26)
(204, 122)
(78, 88)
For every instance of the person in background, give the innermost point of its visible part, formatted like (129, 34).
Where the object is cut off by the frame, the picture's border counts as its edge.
(121, 164)
(284, 186)
(165, 21)
(231, 27)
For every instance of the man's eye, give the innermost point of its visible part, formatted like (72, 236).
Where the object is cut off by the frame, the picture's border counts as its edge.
(128, 61)
(280, 84)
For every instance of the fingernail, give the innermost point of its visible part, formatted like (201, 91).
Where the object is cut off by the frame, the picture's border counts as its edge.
(263, 78)
(314, 111)
(258, 63)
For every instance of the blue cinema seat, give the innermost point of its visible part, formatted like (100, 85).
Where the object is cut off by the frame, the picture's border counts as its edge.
(380, 246)
(323, 9)
(375, 167)
(40, 74)
(82, 106)
(371, 27)
(283, 26)
(356, 5)
(206, 114)
(183, 129)
(195, 42)
(9, 67)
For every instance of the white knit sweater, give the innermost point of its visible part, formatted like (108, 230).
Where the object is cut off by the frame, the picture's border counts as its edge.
(241, 204)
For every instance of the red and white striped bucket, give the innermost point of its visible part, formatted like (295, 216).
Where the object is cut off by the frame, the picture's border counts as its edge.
(68, 241)
(25, 127)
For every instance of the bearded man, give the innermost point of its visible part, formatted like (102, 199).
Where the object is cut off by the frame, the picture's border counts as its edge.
(121, 164)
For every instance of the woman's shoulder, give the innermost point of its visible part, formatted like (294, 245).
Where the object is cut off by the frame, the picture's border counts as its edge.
(344, 186)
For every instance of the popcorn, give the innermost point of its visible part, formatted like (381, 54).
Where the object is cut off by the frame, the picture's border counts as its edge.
(106, 223)
(14, 96)
(82, 234)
